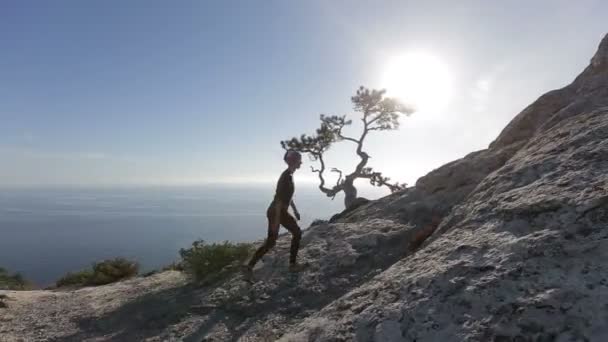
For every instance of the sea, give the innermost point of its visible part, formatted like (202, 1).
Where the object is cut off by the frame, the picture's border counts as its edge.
(47, 232)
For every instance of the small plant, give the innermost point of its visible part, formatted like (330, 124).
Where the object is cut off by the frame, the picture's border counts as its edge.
(174, 266)
(210, 262)
(317, 222)
(12, 281)
(109, 271)
(2, 303)
(101, 273)
(80, 278)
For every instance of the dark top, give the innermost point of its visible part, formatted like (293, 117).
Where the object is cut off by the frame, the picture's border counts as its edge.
(285, 189)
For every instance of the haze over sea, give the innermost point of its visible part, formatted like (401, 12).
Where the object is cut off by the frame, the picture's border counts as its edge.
(44, 233)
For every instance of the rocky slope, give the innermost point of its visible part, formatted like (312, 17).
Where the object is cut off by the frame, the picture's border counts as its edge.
(506, 244)
(522, 254)
(166, 307)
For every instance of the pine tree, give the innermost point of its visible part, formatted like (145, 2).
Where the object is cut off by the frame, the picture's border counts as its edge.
(379, 113)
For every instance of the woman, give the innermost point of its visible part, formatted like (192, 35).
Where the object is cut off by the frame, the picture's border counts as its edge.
(277, 213)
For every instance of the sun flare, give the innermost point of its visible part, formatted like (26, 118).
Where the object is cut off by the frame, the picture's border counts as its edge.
(420, 80)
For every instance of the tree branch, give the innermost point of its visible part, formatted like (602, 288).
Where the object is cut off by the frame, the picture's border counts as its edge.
(340, 177)
(374, 120)
(337, 123)
(376, 179)
(327, 191)
(348, 138)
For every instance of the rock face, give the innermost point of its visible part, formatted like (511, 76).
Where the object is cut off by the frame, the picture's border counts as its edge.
(523, 252)
(525, 256)
(509, 243)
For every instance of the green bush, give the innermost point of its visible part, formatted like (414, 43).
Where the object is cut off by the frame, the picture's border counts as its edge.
(12, 281)
(101, 273)
(209, 262)
(109, 271)
(174, 266)
(80, 278)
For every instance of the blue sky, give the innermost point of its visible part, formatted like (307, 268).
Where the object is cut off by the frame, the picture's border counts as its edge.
(160, 92)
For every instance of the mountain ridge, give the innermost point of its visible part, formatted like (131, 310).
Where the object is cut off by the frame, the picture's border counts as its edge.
(505, 244)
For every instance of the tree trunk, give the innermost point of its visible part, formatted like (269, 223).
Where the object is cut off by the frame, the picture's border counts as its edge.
(350, 192)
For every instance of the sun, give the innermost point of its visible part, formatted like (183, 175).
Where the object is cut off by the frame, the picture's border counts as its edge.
(418, 79)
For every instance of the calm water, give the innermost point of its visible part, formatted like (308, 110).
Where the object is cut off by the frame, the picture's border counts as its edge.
(45, 233)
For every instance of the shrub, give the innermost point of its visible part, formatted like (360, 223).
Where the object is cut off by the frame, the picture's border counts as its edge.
(210, 262)
(101, 273)
(109, 271)
(174, 266)
(80, 278)
(12, 281)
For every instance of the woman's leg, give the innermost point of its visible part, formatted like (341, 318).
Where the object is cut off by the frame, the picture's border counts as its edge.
(271, 239)
(296, 234)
